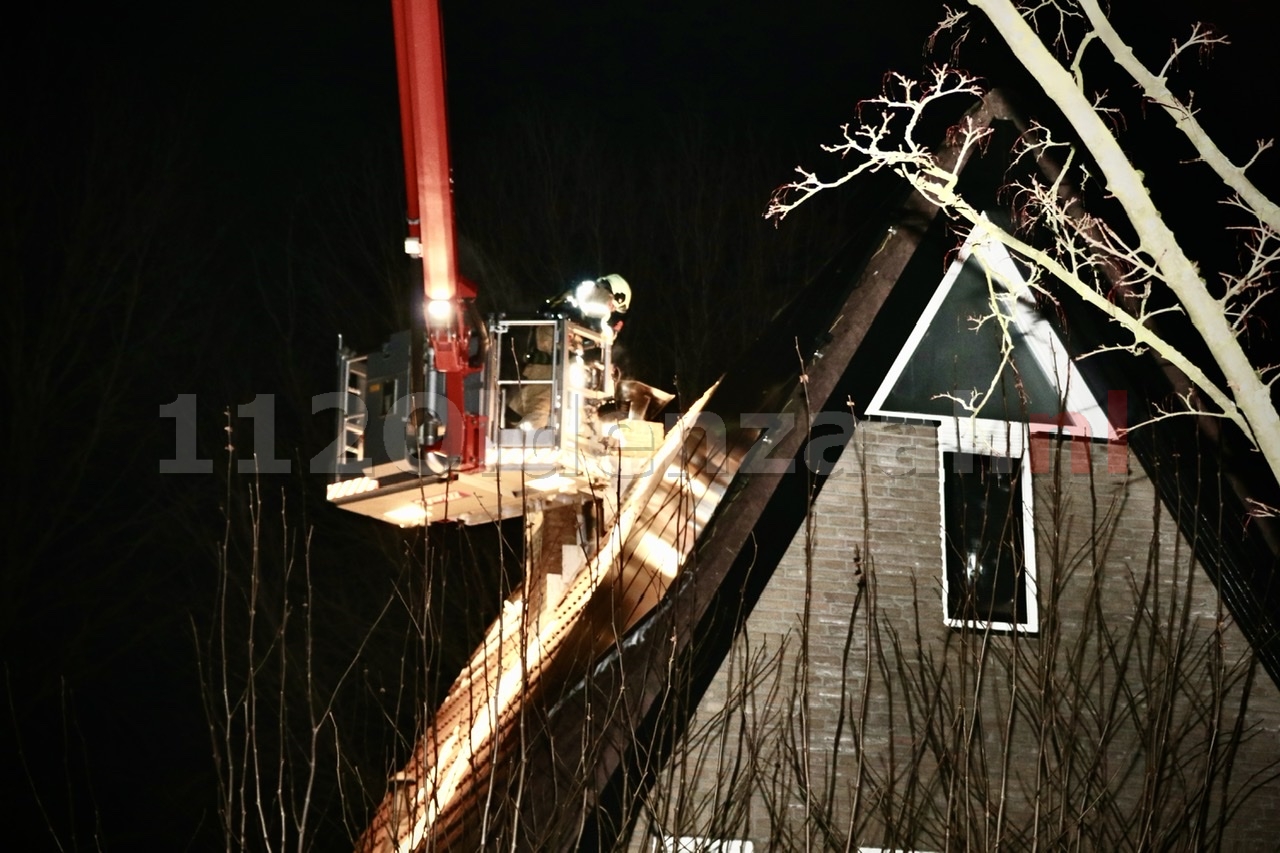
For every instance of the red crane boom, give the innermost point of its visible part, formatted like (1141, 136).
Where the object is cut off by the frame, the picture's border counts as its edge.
(429, 211)
(423, 128)
(459, 419)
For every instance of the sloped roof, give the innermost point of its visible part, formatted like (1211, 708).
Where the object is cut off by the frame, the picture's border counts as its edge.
(581, 763)
(1209, 497)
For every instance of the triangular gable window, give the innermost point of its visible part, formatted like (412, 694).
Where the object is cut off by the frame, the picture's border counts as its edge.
(952, 359)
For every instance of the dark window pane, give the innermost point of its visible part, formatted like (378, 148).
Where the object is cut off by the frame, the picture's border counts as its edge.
(955, 358)
(389, 396)
(983, 518)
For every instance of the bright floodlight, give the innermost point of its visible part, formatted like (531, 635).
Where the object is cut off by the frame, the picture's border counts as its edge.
(593, 300)
(439, 311)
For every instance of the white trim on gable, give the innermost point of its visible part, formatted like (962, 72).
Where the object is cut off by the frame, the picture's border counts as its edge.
(1081, 407)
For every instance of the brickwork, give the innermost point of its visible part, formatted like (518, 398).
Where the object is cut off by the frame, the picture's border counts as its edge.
(905, 733)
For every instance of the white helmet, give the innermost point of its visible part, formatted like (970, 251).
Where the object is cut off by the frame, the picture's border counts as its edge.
(621, 292)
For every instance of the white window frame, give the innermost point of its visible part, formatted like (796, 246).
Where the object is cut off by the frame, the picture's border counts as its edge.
(1000, 440)
(664, 843)
(1043, 342)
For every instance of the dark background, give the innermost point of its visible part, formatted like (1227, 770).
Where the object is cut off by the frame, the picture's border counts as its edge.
(199, 198)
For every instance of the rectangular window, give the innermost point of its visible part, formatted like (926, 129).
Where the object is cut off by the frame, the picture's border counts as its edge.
(390, 394)
(988, 545)
(697, 844)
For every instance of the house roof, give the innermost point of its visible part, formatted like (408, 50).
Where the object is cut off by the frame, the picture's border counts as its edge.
(1206, 475)
(587, 752)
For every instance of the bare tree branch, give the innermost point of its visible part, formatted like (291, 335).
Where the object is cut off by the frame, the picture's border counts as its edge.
(1253, 398)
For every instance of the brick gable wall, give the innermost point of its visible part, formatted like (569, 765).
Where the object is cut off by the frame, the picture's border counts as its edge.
(908, 734)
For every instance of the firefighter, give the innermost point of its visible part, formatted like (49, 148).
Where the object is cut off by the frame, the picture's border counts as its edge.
(594, 303)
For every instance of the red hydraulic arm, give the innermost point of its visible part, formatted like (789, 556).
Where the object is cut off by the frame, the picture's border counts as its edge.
(420, 67)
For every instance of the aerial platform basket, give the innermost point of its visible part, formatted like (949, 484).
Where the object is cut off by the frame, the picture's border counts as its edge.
(540, 427)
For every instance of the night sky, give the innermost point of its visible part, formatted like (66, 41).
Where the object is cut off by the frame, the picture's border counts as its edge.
(199, 198)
